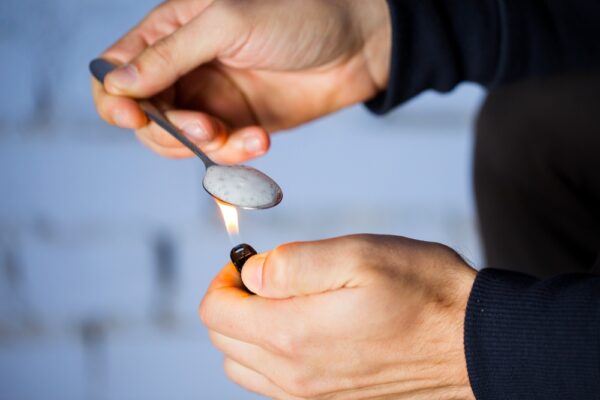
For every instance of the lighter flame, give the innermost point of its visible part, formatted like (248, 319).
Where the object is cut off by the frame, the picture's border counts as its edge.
(230, 216)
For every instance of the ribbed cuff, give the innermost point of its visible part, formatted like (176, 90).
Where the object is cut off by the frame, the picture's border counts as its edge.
(531, 339)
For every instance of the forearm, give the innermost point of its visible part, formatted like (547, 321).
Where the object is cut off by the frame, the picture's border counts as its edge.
(526, 338)
(438, 44)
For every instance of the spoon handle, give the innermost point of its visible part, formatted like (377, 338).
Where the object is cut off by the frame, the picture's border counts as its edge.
(100, 68)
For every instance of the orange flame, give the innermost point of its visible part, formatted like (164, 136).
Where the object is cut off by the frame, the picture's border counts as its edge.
(230, 216)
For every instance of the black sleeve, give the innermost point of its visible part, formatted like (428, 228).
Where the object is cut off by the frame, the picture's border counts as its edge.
(436, 44)
(532, 339)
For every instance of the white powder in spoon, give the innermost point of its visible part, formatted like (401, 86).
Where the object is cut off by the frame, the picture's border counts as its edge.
(241, 186)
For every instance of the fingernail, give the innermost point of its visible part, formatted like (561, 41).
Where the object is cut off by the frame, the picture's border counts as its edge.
(196, 132)
(253, 145)
(124, 77)
(119, 118)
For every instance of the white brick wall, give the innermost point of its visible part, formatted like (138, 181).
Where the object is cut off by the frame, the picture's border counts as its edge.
(87, 309)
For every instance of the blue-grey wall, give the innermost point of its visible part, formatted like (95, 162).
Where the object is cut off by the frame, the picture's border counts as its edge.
(106, 249)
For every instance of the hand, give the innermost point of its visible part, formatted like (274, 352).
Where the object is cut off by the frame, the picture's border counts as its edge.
(357, 317)
(229, 71)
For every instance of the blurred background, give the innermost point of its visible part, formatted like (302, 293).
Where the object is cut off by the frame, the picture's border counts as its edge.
(106, 249)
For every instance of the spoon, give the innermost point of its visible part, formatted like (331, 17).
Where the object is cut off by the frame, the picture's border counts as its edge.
(237, 185)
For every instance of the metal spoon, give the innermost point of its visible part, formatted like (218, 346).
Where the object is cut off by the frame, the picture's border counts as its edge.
(236, 185)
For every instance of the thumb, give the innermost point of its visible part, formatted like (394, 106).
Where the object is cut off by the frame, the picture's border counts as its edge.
(160, 65)
(299, 269)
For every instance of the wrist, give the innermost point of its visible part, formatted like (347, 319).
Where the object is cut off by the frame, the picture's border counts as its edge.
(452, 364)
(442, 367)
(461, 374)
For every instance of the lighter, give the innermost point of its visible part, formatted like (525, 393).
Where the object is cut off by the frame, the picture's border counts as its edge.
(239, 255)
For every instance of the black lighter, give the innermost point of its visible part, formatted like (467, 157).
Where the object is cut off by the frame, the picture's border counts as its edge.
(240, 254)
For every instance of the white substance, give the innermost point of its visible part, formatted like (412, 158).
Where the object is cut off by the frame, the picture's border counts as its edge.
(241, 186)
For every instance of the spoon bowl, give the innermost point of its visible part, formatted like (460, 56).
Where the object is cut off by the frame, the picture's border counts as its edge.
(242, 186)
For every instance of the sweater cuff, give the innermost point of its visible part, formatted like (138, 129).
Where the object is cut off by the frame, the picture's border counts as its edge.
(532, 339)
(436, 44)
(385, 101)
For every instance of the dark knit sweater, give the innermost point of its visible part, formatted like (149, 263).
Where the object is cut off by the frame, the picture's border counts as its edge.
(524, 338)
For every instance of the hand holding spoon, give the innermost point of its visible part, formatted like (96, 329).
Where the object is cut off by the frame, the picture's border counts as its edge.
(237, 185)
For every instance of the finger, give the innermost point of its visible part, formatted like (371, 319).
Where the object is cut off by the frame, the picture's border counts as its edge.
(208, 133)
(227, 278)
(121, 111)
(230, 310)
(242, 145)
(162, 21)
(304, 268)
(253, 381)
(128, 47)
(158, 66)
(200, 128)
(115, 110)
(250, 356)
(175, 153)
(155, 25)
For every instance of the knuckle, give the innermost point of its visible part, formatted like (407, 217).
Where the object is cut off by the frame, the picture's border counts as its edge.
(359, 249)
(230, 370)
(204, 311)
(163, 51)
(102, 107)
(294, 341)
(282, 252)
(286, 344)
(445, 252)
(103, 111)
(216, 340)
(300, 385)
